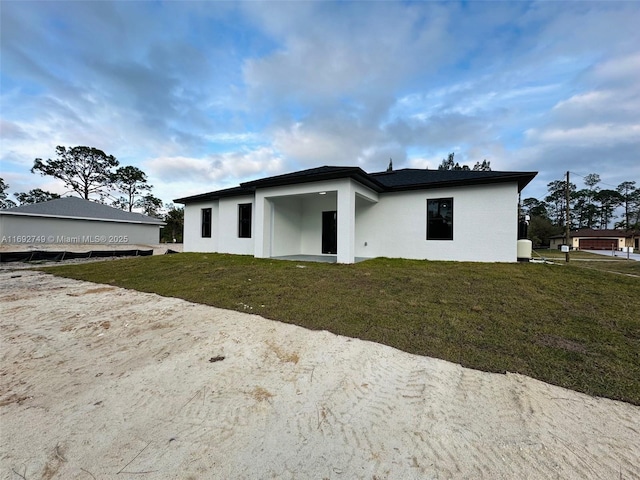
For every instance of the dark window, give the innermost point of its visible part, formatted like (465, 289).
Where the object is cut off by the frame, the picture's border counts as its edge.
(244, 220)
(206, 222)
(440, 219)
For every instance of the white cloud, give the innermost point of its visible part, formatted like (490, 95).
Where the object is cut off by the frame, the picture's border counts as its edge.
(235, 138)
(588, 135)
(588, 100)
(310, 145)
(619, 70)
(617, 106)
(217, 169)
(421, 162)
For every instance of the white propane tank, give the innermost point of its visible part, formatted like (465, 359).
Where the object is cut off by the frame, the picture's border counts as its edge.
(524, 250)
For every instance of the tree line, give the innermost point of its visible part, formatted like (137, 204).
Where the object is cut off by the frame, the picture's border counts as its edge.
(90, 172)
(449, 163)
(589, 207)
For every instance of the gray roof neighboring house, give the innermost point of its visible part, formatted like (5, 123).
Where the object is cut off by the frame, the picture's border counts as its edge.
(80, 209)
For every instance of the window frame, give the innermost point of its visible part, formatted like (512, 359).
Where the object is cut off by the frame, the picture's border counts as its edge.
(437, 232)
(206, 218)
(244, 220)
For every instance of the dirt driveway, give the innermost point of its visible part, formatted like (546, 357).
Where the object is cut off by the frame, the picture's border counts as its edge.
(98, 382)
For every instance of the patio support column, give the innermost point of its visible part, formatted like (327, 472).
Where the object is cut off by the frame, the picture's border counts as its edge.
(262, 227)
(346, 222)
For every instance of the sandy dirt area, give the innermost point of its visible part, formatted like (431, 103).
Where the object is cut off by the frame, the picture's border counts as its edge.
(98, 382)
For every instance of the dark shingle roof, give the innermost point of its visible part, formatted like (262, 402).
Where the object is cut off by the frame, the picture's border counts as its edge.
(317, 175)
(78, 208)
(412, 178)
(397, 180)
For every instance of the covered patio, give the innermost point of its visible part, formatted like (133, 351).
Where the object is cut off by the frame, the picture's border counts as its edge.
(310, 222)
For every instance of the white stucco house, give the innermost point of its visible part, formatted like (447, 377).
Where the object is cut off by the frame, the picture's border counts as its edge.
(73, 220)
(347, 214)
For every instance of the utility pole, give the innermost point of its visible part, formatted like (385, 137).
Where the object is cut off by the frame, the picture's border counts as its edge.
(567, 231)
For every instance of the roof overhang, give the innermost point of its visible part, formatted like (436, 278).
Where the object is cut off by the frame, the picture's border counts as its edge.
(203, 197)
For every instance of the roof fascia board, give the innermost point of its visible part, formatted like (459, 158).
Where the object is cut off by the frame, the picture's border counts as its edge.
(214, 196)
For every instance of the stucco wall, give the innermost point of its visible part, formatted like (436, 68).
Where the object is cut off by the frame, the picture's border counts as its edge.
(288, 220)
(192, 238)
(227, 227)
(287, 226)
(224, 227)
(484, 225)
(17, 229)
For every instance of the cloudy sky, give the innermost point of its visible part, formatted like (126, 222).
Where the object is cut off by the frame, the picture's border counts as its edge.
(204, 95)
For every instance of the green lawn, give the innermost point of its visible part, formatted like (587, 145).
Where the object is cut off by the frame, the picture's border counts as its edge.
(570, 325)
(577, 255)
(612, 264)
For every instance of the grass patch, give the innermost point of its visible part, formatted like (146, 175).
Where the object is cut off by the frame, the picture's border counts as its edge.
(605, 263)
(564, 324)
(575, 255)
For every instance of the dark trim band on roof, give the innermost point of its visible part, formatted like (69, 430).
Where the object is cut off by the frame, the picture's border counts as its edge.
(227, 192)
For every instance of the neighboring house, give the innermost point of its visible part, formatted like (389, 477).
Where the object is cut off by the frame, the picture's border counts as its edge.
(590, 239)
(348, 214)
(74, 220)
